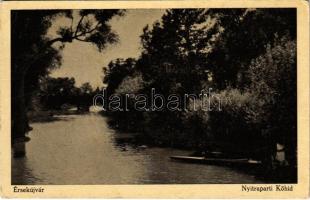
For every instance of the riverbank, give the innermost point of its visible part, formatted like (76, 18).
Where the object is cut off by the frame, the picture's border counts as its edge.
(103, 156)
(50, 115)
(273, 171)
(133, 140)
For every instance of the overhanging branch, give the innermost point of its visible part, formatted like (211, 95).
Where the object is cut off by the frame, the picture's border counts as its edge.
(78, 26)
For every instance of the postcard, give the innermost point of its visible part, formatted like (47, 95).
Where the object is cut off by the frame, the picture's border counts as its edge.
(154, 99)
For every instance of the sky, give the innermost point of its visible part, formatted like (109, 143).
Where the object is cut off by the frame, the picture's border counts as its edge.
(84, 62)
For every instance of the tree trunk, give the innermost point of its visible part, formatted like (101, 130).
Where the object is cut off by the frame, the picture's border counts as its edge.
(19, 114)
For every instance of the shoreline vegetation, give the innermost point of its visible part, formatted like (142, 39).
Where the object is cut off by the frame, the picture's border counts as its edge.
(50, 115)
(248, 57)
(278, 173)
(282, 174)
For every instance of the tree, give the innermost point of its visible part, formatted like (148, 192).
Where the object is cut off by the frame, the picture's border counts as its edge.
(255, 119)
(173, 61)
(273, 77)
(244, 34)
(175, 49)
(55, 92)
(84, 100)
(30, 46)
(116, 71)
(248, 56)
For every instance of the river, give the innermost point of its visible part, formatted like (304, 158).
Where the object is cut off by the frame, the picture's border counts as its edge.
(82, 149)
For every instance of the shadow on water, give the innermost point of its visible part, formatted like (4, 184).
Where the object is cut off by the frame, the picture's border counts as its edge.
(22, 172)
(125, 141)
(82, 149)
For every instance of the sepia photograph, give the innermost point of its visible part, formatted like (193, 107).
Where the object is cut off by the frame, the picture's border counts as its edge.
(154, 96)
(186, 96)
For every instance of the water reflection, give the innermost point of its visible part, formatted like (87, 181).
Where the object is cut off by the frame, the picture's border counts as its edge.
(22, 172)
(82, 149)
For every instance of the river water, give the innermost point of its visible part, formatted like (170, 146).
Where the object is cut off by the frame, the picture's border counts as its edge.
(82, 149)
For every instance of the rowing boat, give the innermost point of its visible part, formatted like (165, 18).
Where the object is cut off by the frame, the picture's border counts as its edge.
(217, 161)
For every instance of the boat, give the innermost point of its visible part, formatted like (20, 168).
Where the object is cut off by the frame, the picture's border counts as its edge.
(237, 162)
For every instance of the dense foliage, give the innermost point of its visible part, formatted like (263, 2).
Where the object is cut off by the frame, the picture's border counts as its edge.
(62, 93)
(248, 58)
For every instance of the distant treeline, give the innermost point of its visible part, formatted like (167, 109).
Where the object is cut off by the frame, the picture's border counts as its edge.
(61, 93)
(247, 56)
